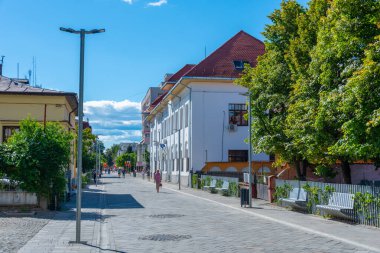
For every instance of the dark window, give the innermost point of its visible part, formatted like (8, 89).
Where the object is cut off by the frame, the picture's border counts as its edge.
(237, 155)
(8, 131)
(236, 114)
(239, 64)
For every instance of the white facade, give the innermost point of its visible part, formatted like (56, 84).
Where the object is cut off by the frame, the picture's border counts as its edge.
(201, 113)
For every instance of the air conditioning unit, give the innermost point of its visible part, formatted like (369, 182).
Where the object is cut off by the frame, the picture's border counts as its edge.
(232, 127)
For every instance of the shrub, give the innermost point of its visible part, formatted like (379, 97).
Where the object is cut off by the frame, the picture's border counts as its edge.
(233, 189)
(194, 180)
(39, 157)
(282, 192)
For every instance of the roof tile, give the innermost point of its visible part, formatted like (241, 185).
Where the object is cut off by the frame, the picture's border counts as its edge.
(220, 63)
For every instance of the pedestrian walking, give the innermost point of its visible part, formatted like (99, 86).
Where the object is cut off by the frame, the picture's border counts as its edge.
(124, 171)
(119, 172)
(94, 176)
(157, 179)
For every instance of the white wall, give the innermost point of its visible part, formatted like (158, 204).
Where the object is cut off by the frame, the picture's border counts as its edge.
(209, 121)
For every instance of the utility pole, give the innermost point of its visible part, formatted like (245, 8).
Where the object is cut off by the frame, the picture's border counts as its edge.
(82, 33)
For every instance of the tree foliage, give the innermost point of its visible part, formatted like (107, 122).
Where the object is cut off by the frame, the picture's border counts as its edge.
(111, 154)
(315, 90)
(126, 157)
(38, 157)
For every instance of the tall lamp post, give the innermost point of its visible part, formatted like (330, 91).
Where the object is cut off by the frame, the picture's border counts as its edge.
(248, 94)
(82, 33)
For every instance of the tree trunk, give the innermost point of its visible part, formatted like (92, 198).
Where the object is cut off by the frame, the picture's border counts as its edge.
(298, 169)
(346, 170)
(305, 165)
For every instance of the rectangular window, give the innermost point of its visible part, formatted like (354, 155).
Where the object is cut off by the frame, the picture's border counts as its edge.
(236, 114)
(8, 131)
(237, 155)
(187, 116)
(176, 121)
(181, 118)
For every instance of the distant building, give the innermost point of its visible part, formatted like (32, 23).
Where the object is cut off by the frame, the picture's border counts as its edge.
(124, 147)
(200, 117)
(147, 104)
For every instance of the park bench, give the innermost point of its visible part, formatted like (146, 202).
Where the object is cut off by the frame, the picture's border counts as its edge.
(297, 198)
(211, 186)
(340, 205)
(224, 188)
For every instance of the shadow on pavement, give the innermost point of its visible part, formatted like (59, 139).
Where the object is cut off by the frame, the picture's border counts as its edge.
(116, 201)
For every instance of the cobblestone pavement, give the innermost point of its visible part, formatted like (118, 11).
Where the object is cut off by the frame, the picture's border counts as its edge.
(127, 215)
(16, 231)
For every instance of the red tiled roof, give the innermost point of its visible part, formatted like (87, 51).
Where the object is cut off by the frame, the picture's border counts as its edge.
(156, 101)
(220, 63)
(180, 73)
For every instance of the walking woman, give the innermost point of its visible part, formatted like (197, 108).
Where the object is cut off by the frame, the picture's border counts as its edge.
(157, 179)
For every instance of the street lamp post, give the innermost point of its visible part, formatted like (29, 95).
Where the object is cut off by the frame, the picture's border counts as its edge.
(250, 147)
(82, 33)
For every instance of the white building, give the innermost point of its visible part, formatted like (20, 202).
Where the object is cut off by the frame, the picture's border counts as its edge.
(200, 118)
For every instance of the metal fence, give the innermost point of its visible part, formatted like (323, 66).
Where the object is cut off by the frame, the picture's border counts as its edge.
(366, 199)
(262, 191)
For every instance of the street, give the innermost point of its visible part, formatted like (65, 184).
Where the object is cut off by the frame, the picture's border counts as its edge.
(127, 215)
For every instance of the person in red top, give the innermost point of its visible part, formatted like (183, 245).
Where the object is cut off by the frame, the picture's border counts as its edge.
(157, 179)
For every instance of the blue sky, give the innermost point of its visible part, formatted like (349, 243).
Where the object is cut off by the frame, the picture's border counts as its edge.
(144, 39)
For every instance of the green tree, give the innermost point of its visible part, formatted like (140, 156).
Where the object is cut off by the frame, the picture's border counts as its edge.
(111, 154)
(304, 99)
(270, 84)
(349, 27)
(89, 150)
(361, 100)
(40, 156)
(122, 159)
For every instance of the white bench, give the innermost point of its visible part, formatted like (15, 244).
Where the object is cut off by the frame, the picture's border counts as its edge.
(211, 186)
(224, 188)
(340, 205)
(297, 198)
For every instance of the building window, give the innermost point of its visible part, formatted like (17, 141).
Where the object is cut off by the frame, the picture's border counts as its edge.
(8, 131)
(181, 118)
(236, 114)
(237, 155)
(239, 64)
(187, 116)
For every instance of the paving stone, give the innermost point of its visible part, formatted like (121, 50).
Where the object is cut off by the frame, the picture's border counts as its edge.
(127, 215)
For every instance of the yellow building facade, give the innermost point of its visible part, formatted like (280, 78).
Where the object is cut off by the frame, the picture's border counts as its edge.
(18, 101)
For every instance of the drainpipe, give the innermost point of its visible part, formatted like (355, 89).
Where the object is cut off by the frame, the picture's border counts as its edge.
(70, 116)
(45, 116)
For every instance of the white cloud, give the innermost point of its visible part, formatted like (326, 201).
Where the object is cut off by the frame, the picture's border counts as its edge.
(128, 1)
(159, 3)
(114, 121)
(90, 106)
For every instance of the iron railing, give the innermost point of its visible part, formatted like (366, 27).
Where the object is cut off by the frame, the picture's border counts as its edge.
(366, 199)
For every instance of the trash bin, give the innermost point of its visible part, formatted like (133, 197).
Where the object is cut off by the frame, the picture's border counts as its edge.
(244, 197)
